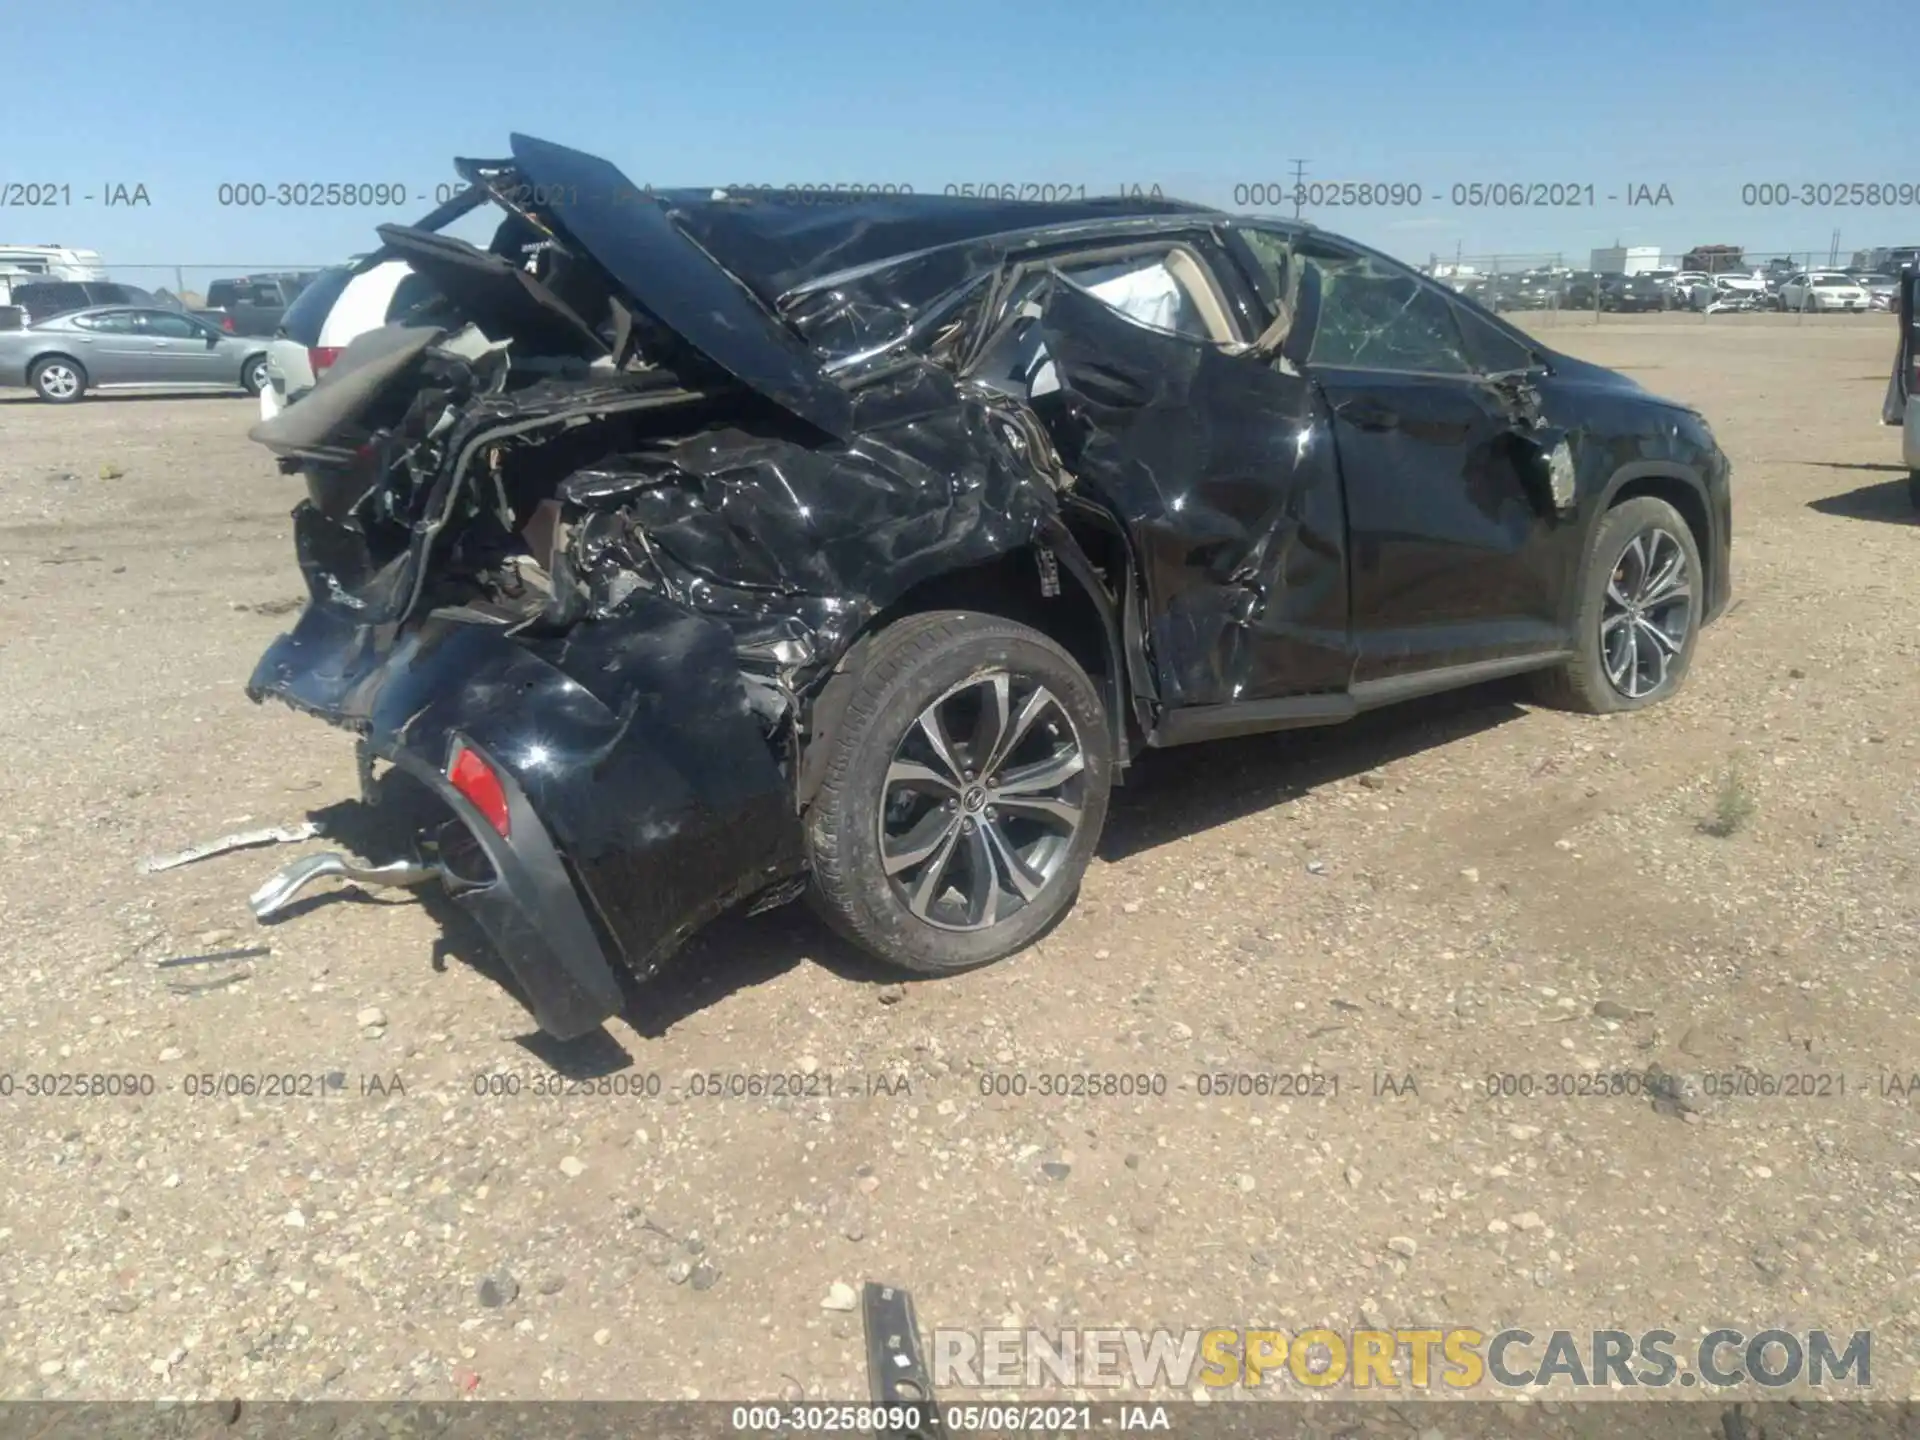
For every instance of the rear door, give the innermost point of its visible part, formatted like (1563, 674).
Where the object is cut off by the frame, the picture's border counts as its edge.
(1219, 465)
(1456, 555)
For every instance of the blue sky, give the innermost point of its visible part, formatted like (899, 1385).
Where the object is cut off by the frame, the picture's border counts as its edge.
(1198, 98)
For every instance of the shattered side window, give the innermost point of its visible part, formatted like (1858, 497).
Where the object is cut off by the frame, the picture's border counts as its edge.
(1271, 251)
(1373, 317)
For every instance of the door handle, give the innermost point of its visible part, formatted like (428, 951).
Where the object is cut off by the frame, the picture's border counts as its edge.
(1368, 414)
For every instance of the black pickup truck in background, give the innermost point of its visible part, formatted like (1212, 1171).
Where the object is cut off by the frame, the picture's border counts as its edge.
(253, 304)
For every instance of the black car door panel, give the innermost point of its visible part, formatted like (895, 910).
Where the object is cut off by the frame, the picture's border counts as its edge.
(1222, 467)
(1456, 552)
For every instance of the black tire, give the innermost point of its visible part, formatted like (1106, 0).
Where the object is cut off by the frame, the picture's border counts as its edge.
(46, 379)
(1581, 683)
(1913, 488)
(909, 668)
(253, 375)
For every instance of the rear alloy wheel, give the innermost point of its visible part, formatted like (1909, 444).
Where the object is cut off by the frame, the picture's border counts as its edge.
(964, 793)
(1638, 614)
(254, 376)
(58, 380)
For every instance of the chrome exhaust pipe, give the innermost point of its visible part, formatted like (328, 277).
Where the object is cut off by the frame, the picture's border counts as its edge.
(281, 887)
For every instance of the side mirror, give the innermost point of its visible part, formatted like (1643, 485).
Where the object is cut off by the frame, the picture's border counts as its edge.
(1546, 460)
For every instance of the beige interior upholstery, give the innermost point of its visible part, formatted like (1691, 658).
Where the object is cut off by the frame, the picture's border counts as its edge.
(1198, 284)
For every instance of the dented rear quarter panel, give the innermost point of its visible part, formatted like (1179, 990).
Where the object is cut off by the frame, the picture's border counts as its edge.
(631, 738)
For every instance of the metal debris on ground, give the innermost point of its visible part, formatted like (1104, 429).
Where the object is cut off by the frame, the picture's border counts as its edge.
(278, 890)
(239, 840)
(242, 971)
(249, 953)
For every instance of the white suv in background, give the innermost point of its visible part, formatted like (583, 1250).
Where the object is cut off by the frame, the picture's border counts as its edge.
(340, 305)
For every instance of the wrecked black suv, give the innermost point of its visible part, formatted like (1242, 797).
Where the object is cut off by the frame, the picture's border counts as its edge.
(707, 548)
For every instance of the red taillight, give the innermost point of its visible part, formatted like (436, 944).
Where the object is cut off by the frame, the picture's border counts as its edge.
(320, 357)
(474, 778)
(226, 323)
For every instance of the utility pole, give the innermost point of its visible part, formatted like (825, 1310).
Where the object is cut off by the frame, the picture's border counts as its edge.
(1299, 175)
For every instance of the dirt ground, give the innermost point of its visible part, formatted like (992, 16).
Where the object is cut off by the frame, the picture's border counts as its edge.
(1452, 890)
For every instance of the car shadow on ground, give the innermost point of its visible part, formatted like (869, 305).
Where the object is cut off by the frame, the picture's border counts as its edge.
(1891, 501)
(1169, 795)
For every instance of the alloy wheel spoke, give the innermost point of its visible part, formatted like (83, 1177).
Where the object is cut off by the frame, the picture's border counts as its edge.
(1041, 775)
(1621, 670)
(1663, 642)
(914, 775)
(1028, 882)
(1036, 705)
(996, 716)
(935, 729)
(919, 843)
(1670, 575)
(985, 894)
(1662, 647)
(1656, 649)
(1045, 808)
(928, 888)
(1636, 551)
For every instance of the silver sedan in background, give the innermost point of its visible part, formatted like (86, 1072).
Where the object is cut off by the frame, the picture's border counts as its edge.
(109, 346)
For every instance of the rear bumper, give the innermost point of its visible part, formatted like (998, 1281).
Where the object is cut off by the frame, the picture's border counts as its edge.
(528, 907)
(643, 797)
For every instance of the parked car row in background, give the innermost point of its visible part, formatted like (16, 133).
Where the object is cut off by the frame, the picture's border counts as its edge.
(63, 337)
(1774, 287)
(141, 346)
